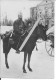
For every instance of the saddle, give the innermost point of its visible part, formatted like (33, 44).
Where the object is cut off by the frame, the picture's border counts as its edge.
(14, 38)
(11, 41)
(18, 38)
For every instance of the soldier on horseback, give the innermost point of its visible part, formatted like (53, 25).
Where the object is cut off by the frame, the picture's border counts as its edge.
(18, 27)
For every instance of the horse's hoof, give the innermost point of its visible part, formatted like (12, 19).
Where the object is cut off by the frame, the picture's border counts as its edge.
(24, 71)
(7, 66)
(30, 69)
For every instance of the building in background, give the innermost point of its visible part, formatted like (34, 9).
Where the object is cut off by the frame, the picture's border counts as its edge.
(45, 10)
(33, 13)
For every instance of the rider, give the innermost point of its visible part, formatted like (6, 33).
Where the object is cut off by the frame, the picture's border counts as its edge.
(18, 27)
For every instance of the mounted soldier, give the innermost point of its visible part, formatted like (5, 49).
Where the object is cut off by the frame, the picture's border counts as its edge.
(18, 25)
(18, 28)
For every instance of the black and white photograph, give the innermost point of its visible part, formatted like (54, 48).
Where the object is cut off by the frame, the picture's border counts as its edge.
(27, 39)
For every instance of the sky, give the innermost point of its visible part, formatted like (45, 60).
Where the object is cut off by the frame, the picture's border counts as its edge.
(11, 8)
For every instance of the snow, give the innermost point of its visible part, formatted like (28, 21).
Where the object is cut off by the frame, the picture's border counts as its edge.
(41, 63)
(6, 28)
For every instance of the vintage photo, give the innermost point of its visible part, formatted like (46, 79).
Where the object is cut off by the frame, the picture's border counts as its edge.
(27, 39)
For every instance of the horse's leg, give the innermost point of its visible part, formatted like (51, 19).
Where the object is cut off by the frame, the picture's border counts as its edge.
(6, 56)
(25, 56)
(6, 61)
(29, 57)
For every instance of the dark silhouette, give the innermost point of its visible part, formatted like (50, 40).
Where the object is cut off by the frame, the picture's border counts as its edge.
(18, 28)
(39, 32)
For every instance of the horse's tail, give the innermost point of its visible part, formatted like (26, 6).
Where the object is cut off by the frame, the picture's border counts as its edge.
(5, 38)
(5, 35)
(2, 36)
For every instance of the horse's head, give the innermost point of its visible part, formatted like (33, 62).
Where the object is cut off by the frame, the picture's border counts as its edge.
(41, 32)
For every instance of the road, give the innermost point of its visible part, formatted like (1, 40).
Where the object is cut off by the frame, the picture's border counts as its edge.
(41, 63)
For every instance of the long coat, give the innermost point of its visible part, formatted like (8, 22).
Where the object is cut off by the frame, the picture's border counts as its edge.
(18, 26)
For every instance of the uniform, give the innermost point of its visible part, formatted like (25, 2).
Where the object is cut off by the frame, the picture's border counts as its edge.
(18, 29)
(18, 26)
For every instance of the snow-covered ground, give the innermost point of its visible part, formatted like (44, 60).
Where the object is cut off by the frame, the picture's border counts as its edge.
(41, 63)
(6, 28)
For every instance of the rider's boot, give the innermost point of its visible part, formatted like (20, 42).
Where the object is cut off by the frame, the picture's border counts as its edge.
(17, 49)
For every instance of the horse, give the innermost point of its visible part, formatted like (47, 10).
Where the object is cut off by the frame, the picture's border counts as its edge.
(39, 32)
